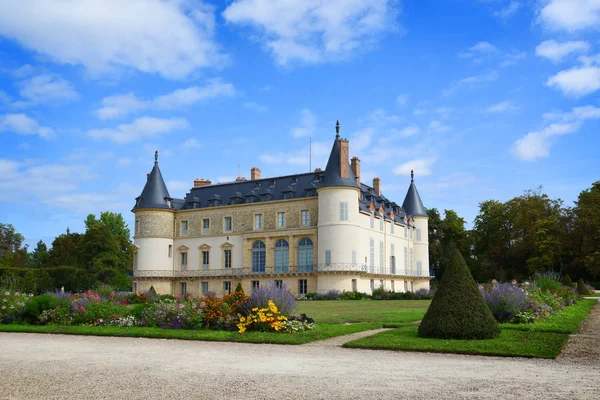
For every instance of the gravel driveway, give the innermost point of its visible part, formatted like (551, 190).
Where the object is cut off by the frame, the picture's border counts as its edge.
(36, 366)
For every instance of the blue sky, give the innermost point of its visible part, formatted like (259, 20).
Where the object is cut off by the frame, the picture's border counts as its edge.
(483, 98)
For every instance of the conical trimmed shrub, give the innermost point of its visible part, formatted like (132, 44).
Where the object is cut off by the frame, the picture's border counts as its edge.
(458, 310)
(566, 280)
(582, 288)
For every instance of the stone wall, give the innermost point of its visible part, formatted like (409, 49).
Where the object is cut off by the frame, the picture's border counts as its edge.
(154, 224)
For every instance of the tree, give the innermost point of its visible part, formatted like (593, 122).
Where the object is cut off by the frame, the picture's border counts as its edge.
(458, 310)
(436, 247)
(64, 250)
(445, 235)
(114, 222)
(10, 246)
(39, 256)
(584, 239)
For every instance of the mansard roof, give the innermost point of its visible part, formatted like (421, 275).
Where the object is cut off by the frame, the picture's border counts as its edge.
(155, 193)
(412, 202)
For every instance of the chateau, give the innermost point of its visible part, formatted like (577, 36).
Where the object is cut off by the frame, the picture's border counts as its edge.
(313, 231)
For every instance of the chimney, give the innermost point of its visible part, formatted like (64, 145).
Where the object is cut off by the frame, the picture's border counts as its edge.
(356, 169)
(344, 150)
(240, 179)
(201, 182)
(318, 170)
(377, 186)
(254, 174)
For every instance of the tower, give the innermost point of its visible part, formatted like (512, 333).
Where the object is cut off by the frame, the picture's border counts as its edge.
(414, 208)
(338, 195)
(154, 233)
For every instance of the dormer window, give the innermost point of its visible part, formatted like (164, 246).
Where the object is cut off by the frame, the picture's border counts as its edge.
(266, 197)
(168, 203)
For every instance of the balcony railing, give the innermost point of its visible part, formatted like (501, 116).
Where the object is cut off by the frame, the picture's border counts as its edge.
(362, 269)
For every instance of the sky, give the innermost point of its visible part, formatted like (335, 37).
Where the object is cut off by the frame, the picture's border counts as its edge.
(484, 99)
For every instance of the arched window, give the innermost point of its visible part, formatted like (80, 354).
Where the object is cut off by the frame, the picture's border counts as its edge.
(282, 255)
(305, 255)
(258, 256)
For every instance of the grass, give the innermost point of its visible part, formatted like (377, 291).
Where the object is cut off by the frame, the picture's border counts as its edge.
(381, 312)
(566, 321)
(508, 343)
(323, 331)
(592, 295)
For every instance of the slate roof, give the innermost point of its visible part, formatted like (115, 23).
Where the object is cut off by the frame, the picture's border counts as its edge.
(156, 195)
(412, 202)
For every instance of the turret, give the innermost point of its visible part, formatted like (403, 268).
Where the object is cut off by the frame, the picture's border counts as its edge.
(338, 207)
(414, 207)
(153, 234)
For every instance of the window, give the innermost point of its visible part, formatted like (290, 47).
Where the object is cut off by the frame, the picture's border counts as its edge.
(282, 255)
(258, 221)
(170, 250)
(134, 289)
(411, 233)
(372, 254)
(381, 285)
(418, 235)
(206, 225)
(405, 232)
(406, 259)
(412, 286)
(182, 288)
(354, 285)
(305, 255)
(381, 224)
(372, 284)
(205, 259)
(392, 227)
(184, 227)
(344, 211)
(227, 287)
(183, 263)
(227, 224)
(405, 286)
(381, 259)
(302, 286)
(305, 217)
(393, 264)
(419, 268)
(258, 256)
(353, 256)
(281, 220)
(137, 227)
(135, 260)
(372, 220)
(412, 265)
(328, 257)
(393, 286)
(227, 256)
(204, 288)
(278, 283)
(255, 285)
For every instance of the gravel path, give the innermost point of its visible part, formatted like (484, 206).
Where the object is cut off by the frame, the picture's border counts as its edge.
(584, 346)
(34, 366)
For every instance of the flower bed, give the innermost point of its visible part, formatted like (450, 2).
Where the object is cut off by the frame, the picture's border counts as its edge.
(269, 309)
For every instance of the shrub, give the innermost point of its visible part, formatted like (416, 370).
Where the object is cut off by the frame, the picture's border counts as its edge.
(332, 294)
(505, 300)
(582, 288)
(547, 280)
(353, 295)
(12, 305)
(36, 305)
(281, 296)
(458, 310)
(239, 287)
(566, 281)
(263, 319)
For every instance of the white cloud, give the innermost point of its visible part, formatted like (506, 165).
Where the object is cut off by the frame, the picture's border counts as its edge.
(141, 128)
(570, 15)
(124, 104)
(23, 125)
(471, 82)
(535, 145)
(251, 105)
(577, 81)
(191, 144)
(438, 127)
(557, 51)
(421, 166)
(47, 88)
(4, 98)
(307, 126)
(402, 100)
(300, 157)
(409, 130)
(170, 38)
(509, 10)
(314, 31)
(503, 106)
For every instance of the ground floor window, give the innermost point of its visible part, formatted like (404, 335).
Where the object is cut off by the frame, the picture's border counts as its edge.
(227, 287)
(405, 286)
(393, 286)
(204, 288)
(354, 286)
(302, 286)
(372, 284)
(255, 285)
(278, 283)
(412, 286)
(381, 285)
(182, 288)
(134, 287)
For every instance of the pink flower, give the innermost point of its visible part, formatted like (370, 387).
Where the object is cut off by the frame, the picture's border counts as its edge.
(494, 281)
(112, 294)
(181, 306)
(7, 293)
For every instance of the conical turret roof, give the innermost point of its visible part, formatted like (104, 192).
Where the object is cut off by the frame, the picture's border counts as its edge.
(155, 193)
(412, 202)
(333, 175)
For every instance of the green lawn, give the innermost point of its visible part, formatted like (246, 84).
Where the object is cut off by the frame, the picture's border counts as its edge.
(381, 312)
(508, 343)
(592, 295)
(567, 321)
